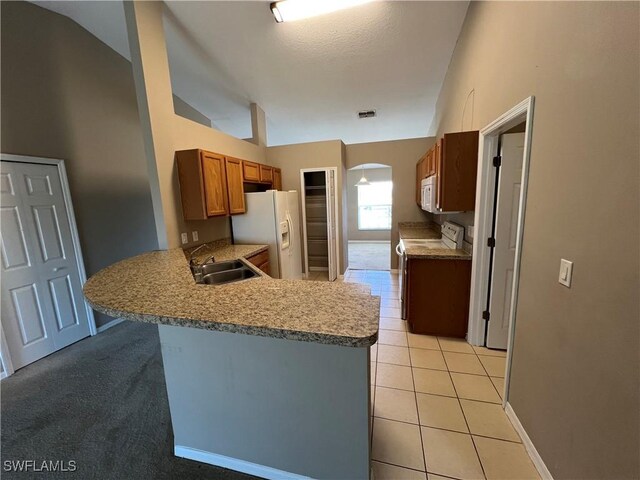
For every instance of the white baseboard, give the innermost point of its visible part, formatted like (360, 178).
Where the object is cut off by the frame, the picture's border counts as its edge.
(528, 444)
(112, 323)
(235, 464)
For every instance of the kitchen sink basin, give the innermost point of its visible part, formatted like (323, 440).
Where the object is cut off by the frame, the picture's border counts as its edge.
(227, 276)
(208, 268)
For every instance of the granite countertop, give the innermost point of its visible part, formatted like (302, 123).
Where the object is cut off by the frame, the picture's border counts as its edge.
(158, 287)
(430, 231)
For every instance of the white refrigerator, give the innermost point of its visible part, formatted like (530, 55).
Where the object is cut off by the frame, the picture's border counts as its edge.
(273, 219)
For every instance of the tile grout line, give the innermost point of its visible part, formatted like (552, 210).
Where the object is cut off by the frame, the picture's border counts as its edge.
(415, 397)
(465, 417)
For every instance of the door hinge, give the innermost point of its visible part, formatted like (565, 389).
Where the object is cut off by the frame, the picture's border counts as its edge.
(491, 242)
(497, 161)
(486, 315)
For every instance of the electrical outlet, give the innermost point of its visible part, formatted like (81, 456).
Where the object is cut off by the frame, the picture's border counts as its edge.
(184, 237)
(194, 235)
(566, 271)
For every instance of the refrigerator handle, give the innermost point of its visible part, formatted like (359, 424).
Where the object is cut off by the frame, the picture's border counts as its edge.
(291, 233)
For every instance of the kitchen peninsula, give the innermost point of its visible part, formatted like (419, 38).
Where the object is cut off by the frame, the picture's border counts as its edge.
(268, 377)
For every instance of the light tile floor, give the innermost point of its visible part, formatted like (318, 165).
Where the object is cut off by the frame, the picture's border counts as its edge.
(436, 402)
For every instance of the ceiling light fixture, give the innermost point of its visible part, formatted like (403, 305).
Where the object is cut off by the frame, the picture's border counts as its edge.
(291, 10)
(363, 181)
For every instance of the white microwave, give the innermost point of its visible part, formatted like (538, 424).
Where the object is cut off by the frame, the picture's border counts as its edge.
(428, 199)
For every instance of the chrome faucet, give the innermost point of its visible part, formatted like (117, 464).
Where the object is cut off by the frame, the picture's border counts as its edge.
(196, 267)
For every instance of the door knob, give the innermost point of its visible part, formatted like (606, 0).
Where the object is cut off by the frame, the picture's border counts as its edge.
(57, 269)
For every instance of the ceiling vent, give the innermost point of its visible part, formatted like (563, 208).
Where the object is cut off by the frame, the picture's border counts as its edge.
(367, 114)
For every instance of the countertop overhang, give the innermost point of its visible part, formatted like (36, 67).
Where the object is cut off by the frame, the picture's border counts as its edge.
(158, 287)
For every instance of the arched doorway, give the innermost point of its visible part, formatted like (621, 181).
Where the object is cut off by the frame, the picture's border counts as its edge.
(369, 216)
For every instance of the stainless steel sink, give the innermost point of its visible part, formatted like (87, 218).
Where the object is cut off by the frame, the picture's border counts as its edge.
(227, 276)
(221, 272)
(208, 268)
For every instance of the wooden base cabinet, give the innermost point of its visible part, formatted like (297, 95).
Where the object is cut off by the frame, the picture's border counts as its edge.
(438, 292)
(260, 260)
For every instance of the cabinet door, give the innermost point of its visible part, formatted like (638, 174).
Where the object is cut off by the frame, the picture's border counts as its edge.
(277, 179)
(234, 185)
(215, 184)
(250, 171)
(189, 164)
(419, 181)
(266, 174)
(437, 155)
(458, 168)
(265, 268)
(439, 173)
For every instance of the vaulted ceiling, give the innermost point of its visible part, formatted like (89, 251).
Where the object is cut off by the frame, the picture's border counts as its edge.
(311, 77)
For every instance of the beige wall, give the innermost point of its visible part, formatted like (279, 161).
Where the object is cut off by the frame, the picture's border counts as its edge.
(373, 175)
(293, 158)
(574, 384)
(182, 108)
(67, 95)
(164, 132)
(401, 156)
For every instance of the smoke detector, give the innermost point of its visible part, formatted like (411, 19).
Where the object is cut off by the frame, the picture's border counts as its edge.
(367, 114)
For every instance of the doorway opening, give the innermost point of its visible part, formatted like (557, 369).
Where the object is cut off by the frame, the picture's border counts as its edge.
(369, 214)
(503, 172)
(320, 221)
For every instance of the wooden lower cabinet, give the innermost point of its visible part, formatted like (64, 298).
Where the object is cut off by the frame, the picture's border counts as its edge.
(438, 292)
(261, 261)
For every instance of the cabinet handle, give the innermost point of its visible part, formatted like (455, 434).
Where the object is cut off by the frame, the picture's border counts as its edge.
(398, 250)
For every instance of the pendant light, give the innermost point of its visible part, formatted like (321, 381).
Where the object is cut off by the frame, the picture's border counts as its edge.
(363, 181)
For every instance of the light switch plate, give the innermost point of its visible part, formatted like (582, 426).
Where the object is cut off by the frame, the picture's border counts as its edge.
(184, 237)
(194, 235)
(566, 270)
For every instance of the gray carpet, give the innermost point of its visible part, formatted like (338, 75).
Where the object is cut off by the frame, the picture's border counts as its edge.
(101, 402)
(369, 256)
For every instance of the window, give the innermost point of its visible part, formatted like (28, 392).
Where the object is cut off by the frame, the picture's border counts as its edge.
(374, 206)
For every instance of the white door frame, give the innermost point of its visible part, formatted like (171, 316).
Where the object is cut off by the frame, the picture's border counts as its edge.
(488, 148)
(66, 193)
(303, 194)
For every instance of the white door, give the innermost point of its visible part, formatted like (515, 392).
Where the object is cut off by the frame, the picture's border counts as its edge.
(332, 219)
(504, 254)
(42, 305)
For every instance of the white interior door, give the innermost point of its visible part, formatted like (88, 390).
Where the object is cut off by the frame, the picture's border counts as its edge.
(332, 220)
(42, 305)
(504, 254)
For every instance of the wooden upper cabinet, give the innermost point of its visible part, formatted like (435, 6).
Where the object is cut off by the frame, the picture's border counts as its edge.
(250, 171)
(457, 169)
(277, 179)
(436, 158)
(266, 174)
(203, 184)
(215, 184)
(235, 188)
(419, 181)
